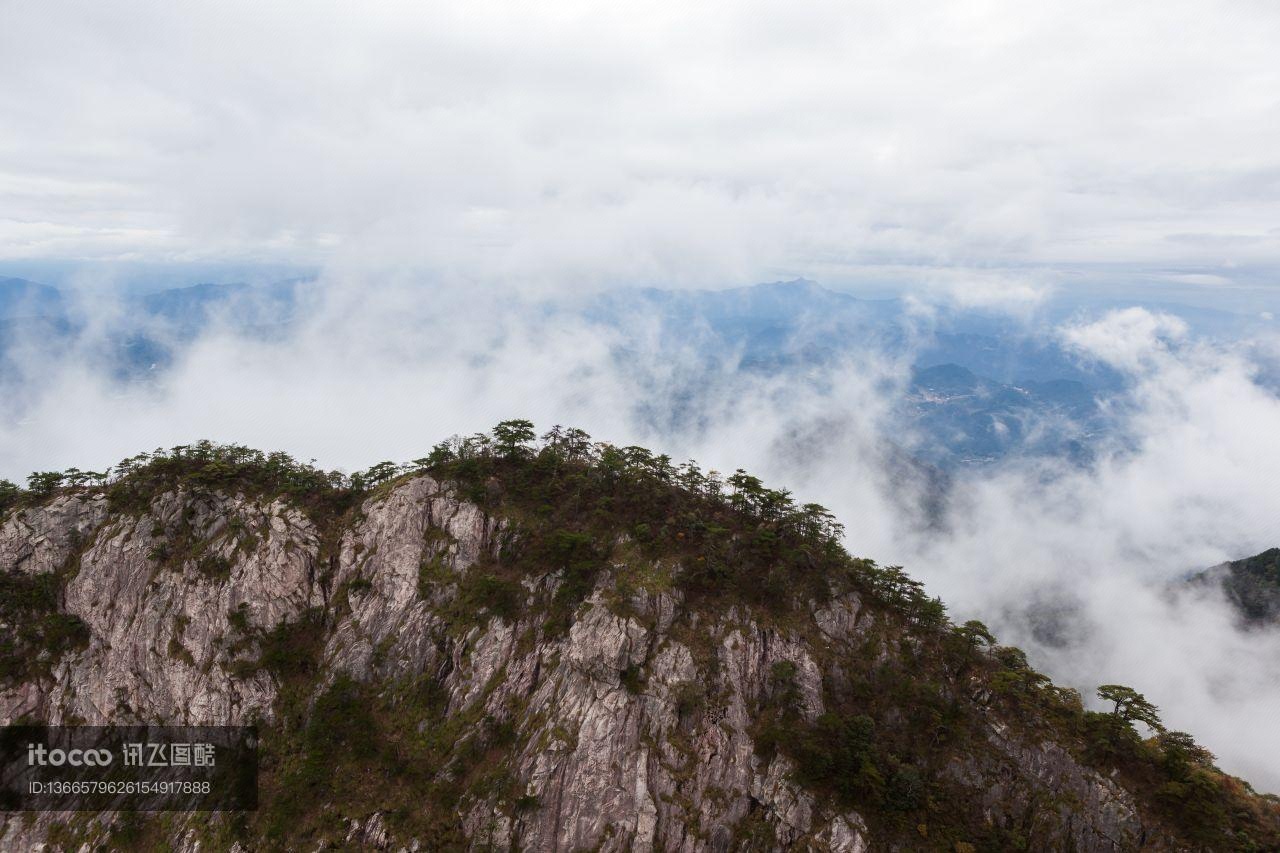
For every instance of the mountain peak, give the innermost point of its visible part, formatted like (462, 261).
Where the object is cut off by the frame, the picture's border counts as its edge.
(561, 645)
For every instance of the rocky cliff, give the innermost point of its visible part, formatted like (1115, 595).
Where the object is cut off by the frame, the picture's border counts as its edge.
(563, 648)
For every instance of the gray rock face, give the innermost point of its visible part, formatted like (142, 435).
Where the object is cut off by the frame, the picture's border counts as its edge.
(1096, 813)
(43, 538)
(161, 624)
(391, 629)
(633, 727)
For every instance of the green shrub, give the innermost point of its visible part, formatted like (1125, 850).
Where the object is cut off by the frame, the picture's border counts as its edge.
(431, 572)
(632, 680)
(489, 593)
(905, 791)
(34, 632)
(291, 648)
(214, 566)
(238, 618)
(690, 698)
(9, 495)
(836, 753)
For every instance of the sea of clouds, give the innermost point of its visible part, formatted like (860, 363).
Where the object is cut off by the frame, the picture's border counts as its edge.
(1080, 565)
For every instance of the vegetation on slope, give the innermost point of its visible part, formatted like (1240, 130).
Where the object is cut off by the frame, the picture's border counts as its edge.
(34, 632)
(916, 705)
(1251, 584)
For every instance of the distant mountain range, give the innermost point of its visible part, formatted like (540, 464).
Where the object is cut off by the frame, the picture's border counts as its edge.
(982, 386)
(131, 334)
(971, 419)
(191, 307)
(22, 298)
(784, 323)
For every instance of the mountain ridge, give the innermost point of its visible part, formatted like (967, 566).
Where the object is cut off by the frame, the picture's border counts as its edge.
(1251, 585)
(559, 645)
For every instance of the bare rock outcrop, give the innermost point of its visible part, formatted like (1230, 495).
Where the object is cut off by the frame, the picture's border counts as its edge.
(164, 622)
(43, 538)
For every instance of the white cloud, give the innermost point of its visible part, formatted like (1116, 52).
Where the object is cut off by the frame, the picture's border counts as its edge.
(1130, 339)
(691, 142)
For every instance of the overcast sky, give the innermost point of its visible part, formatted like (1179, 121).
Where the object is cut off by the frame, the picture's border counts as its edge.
(565, 142)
